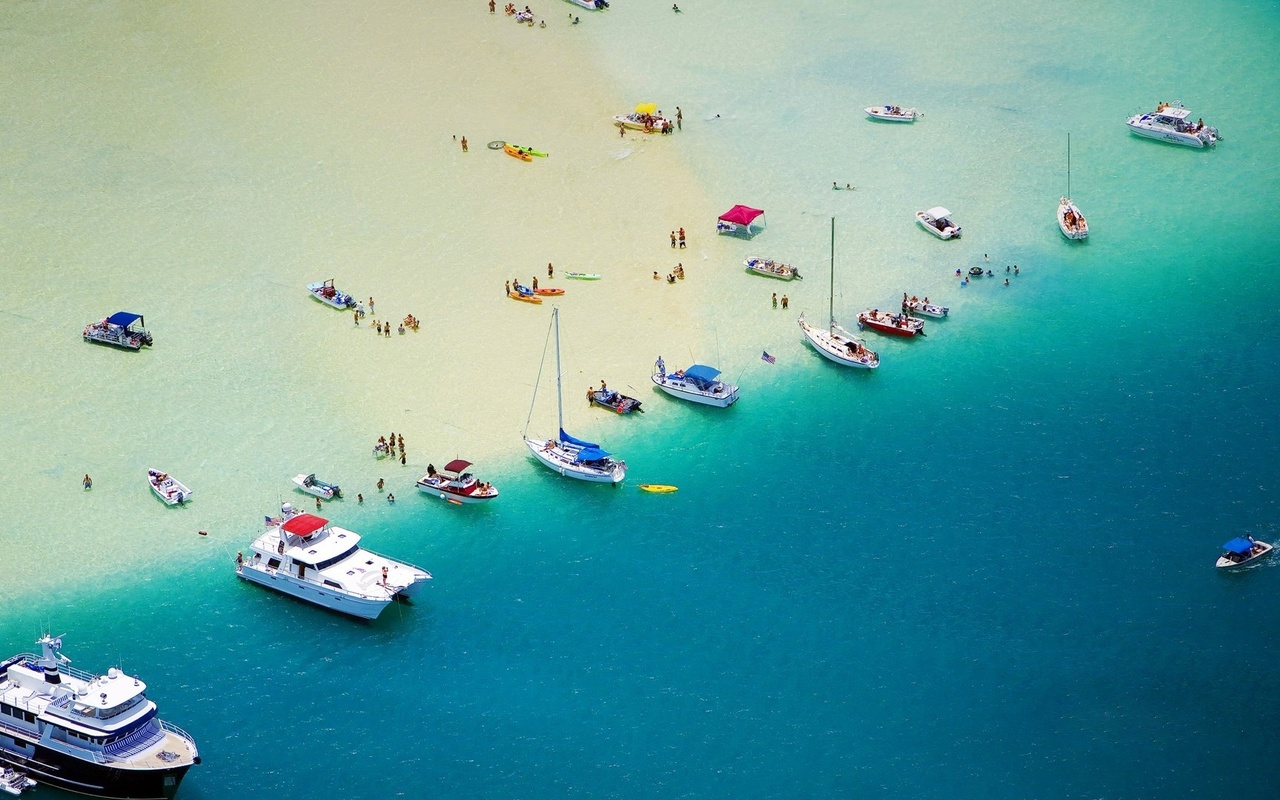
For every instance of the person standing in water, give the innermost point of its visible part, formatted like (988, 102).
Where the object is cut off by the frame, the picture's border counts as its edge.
(88, 482)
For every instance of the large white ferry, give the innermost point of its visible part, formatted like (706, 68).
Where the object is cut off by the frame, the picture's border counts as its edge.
(96, 735)
(304, 556)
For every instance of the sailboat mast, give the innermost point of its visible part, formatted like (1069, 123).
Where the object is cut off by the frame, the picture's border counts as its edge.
(1068, 165)
(555, 316)
(831, 288)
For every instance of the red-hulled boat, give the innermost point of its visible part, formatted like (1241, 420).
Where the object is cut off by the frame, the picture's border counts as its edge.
(892, 324)
(455, 485)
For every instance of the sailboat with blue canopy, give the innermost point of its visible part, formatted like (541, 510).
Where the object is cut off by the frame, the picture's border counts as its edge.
(568, 455)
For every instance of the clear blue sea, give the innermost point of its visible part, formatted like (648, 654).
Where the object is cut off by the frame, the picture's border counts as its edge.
(984, 571)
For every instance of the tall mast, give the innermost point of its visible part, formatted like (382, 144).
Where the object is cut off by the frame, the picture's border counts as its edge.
(831, 289)
(555, 316)
(1068, 165)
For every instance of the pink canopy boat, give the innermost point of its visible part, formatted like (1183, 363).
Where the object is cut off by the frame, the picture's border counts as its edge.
(738, 220)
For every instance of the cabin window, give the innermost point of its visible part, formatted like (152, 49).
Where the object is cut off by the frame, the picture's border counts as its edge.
(334, 585)
(329, 562)
(273, 563)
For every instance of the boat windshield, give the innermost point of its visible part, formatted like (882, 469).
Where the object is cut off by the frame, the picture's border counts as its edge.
(329, 562)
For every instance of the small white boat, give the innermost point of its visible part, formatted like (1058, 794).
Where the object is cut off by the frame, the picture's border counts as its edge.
(698, 384)
(770, 268)
(14, 782)
(591, 5)
(313, 485)
(455, 484)
(168, 488)
(937, 221)
(648, 123)
(1070, 221)
(924, 307)
(892, 113)
(1168, 123)
(325, 293)
(304, 556)
(1240, 551)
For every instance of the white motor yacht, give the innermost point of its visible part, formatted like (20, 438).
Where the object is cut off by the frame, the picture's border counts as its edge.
(1168, 123)
(937, 221)
(698, 384)
(304, 556)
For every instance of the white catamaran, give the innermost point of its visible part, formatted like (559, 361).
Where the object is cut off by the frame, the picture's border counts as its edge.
(572, 458)
(835, 343)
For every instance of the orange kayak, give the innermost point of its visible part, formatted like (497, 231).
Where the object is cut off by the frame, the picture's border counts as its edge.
(527, 298)
(549, 291)
(516, 152)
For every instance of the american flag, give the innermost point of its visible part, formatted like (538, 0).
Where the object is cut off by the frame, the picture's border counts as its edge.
(767, 357)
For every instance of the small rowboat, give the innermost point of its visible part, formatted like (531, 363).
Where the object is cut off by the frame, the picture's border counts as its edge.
(528, 150)
(525, 298)
(549, 291)
(516, 152)
(770, 268)
(658, 488)
(582, 276)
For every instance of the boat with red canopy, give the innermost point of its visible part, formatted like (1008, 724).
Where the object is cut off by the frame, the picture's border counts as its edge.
(455, 484)
(892, 324)
(739, 221)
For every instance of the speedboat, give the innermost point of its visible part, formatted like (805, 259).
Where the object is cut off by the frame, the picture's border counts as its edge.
(325, 293)
(98, 735)
(168, 488)
(892, 113)
(936, 221)
(1168, 123)
(455, 485)
(770, 268)
(919, 306)
(302, 555)
(649, 123)
(313, 485)
(614, 401)
(892, 324)
(1240, 551)
(121, 329)
(699, 384)
(14, 782)
(591, 5)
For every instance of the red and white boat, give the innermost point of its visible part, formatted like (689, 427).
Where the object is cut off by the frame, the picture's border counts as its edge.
(455, 485)
(892, 324)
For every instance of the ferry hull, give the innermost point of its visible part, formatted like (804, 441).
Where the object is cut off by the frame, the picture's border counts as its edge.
(362, 608)
(51, 767)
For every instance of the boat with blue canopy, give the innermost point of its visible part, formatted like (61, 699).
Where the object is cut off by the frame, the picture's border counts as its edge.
(698, 384)
(121, 329)
(568, 455)
(1242, 550)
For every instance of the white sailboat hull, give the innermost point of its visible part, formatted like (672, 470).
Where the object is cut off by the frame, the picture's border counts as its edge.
(557, 460)
(1080, 230)
(833, 347)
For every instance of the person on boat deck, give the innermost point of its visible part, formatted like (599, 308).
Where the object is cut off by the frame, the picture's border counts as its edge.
(384, 576)
(431, 470)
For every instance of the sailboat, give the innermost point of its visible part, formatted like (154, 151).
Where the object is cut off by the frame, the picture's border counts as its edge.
(835, 343)
(572, 458)
(1070, 221)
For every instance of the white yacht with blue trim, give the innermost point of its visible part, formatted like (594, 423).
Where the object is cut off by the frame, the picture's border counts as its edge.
(92, 734)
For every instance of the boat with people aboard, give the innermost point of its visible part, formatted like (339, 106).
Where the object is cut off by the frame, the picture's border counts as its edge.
(770, 268)
(567, 455)
(313, 485)
(937, 220)
(168, 488)
(591, 5)
(1168, 123)
(325, 292)
(892, 324)
(645, 118)
(97, 735)
(892, 113)
(121, 329)
(834, 342)
(1070, 219)
(302, 555)
(923, 306)
(14, 782)
(1242, 550)
(454, 484)
(614, 401)
(699, 384)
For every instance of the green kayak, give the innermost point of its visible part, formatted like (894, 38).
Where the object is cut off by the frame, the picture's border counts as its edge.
(582, 276)
(530, 151)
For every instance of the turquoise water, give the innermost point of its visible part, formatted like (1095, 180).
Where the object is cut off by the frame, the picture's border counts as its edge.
(983, 571)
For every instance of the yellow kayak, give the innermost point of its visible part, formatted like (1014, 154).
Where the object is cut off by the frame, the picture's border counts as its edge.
(657, 488)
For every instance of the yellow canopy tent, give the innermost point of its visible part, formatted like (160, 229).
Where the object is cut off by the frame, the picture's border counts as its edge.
(647, 108)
